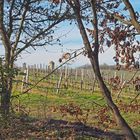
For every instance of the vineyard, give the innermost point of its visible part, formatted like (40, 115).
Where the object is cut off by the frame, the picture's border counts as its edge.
(69, 102)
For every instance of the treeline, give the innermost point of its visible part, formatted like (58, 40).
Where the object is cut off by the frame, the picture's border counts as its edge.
(102, 66)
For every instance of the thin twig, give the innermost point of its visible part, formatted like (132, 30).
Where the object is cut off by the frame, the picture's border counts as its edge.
(126, 82)
(135, 98)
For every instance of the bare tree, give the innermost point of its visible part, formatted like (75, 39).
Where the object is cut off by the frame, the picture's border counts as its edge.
(108, 28)
(25, 24)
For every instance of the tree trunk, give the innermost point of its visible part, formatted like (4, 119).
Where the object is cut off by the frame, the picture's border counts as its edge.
(5, 96)
(7, 79)
(107, 95)
(6, 66)
(5, 102)
(93, 56)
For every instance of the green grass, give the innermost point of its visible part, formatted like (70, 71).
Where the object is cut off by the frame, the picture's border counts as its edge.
(41, 99)
(61, 98)
(84, 99)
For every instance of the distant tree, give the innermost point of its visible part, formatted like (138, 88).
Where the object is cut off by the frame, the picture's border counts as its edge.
(109, 28)
(25, 24)
(104, 66)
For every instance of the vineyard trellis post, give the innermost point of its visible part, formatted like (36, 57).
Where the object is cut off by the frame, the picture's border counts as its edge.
(60, 81)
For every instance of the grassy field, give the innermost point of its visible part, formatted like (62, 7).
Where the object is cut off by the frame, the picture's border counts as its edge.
(76, 105)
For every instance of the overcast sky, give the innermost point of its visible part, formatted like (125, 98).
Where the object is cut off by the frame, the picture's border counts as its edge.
(71, 41)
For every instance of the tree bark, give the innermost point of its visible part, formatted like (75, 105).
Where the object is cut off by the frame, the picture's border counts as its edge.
(107, 95)
(6, 66)
(5, 96)
(93, 56)
(132, 13)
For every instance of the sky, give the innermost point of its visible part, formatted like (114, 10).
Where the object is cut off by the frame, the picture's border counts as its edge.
(71, 40)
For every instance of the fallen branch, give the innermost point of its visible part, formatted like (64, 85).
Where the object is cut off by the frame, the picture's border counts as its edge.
(135, 98)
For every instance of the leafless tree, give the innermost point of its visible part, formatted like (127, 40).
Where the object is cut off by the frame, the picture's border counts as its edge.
(25, 24)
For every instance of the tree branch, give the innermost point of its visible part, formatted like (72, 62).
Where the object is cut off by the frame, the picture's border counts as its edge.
(46, 76)
(135, 98)
(4, 36)
(116, 17)
(20, 29)
(81, 28)
(11, 19)
(95, 25)
(134, 20)
(126, 82)
(40, 33)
